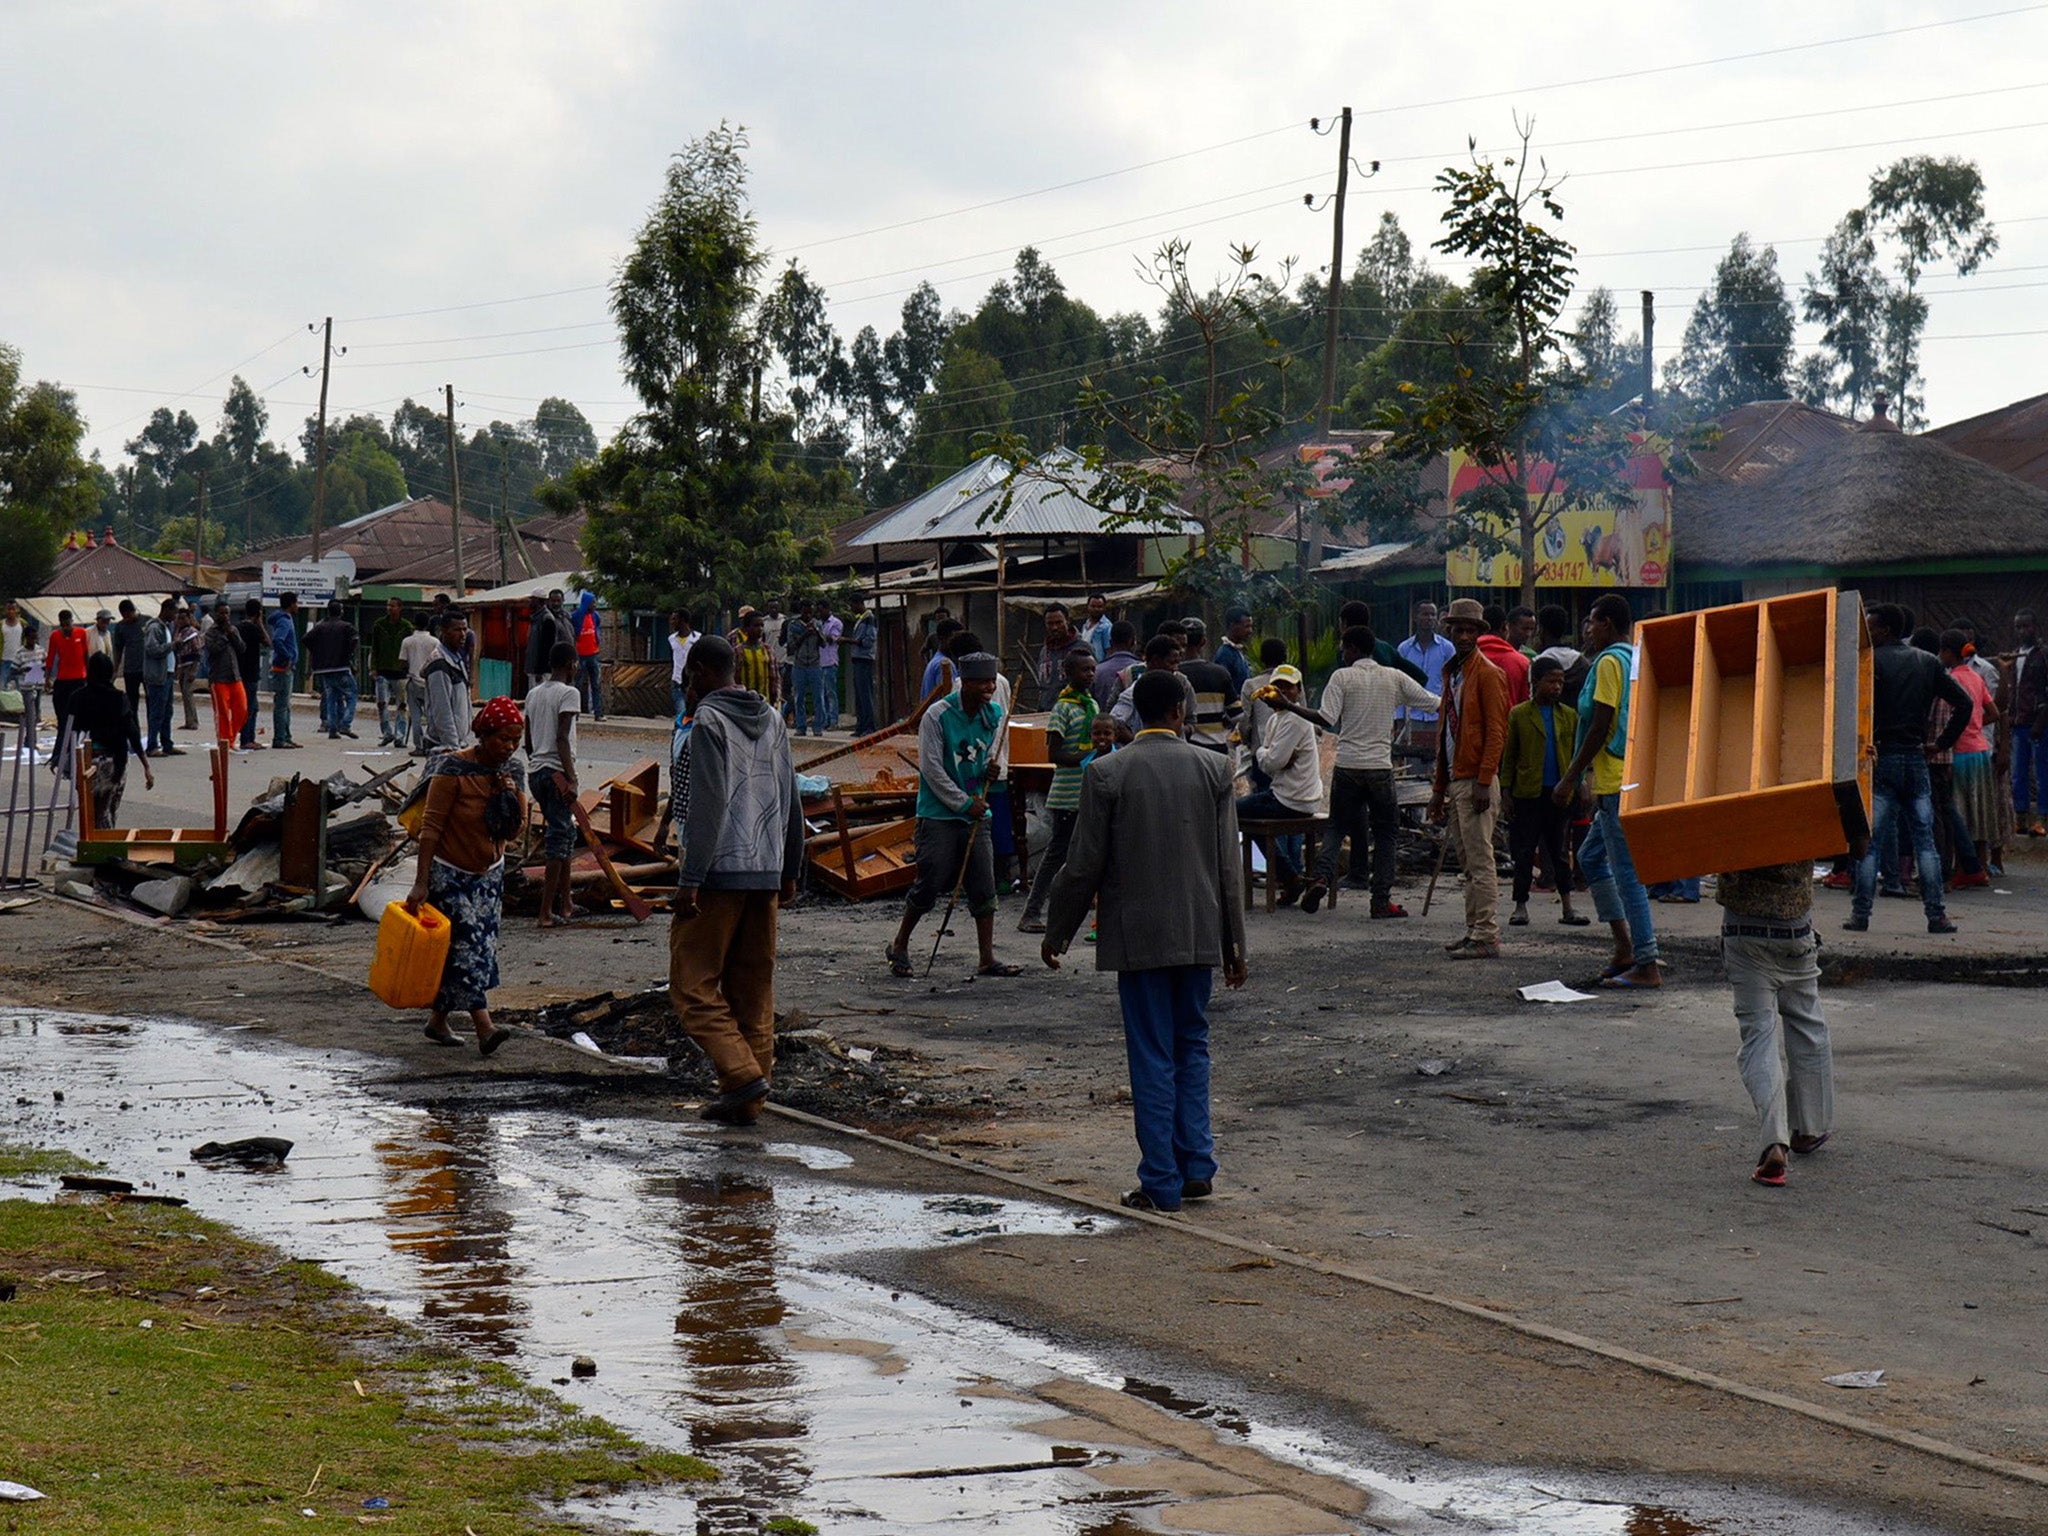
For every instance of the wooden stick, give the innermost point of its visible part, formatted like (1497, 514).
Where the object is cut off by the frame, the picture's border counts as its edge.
(1443, 846)
(628, 897)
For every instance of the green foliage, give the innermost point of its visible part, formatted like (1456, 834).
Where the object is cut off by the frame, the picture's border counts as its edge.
(321, 1380)
(1193, 445)
(1919, 207)
(1516, 398)
(1738, 343)
(697, 502)
(45, 486)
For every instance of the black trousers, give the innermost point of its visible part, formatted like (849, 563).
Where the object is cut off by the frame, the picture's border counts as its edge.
(133, 685)
(1539, 822)
(1362, 805)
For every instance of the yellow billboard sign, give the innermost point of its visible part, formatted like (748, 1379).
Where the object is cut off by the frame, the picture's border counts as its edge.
(1618, 541)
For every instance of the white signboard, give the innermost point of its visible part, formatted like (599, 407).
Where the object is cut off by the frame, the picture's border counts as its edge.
(315, 580)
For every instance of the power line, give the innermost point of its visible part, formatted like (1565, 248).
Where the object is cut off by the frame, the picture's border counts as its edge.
(1644, 72)
(1018, 197)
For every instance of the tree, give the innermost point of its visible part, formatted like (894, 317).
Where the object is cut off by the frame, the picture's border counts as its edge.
(1387, 265)
(1521, 406)
(1847, 298)
(45, 486)
(687, 504)
(1919, 207)
(1197, 442)
(565, 437)
(1925, 206)
(243, 422)
(1738, 343)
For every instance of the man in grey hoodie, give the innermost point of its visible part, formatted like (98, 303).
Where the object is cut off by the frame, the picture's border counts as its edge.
(741, 830)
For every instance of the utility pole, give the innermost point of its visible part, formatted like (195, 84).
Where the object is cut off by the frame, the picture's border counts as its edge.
(199, 530)
(320, 432)
(455, 502)
(1336, 292)
(1649, 352)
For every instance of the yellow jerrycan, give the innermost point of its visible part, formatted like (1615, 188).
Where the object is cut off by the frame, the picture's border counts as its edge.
(411, 954)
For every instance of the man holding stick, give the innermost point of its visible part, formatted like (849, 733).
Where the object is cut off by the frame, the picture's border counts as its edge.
(956, 751)
(1156, 840)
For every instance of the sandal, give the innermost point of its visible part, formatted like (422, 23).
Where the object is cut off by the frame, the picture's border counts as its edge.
(1576, 920)
(1805, 1145)
(441, 1036)
(1768, 1175)
(899, 964)
(1000, 968)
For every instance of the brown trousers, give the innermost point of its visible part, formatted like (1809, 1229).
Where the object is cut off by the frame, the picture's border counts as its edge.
(721, 982)
(1472, 835)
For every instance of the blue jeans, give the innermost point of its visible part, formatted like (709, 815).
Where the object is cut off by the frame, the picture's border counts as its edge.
(391, 709)
(338, 698)
(864, 721)
(807, 698)
(157, 697)
(590, 683)
(1899, 786)
(1618, 896)
(1264, 805)
(675, 699)
(1166, 1036)
(280, 708)
(829, 684)
(2029, 762)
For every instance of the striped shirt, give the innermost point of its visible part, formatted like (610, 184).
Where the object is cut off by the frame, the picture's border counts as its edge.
(755, 669)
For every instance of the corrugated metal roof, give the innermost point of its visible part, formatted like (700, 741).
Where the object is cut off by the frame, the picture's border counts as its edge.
(1044, 500)
(911, 523)
(2013, 438)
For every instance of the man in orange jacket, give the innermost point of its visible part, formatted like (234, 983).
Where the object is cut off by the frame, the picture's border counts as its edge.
(1468, 754)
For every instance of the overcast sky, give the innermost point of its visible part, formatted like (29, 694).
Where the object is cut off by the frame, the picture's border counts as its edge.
(185, 186)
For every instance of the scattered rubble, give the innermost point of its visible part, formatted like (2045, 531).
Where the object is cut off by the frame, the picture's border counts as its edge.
(868, 1085)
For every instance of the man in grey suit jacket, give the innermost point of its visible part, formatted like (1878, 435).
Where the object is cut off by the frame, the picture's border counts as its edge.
(1156, 839)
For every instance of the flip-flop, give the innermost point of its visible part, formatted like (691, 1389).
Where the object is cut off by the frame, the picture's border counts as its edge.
(1001, 968)
(493, 1040)
(442, 1037)
(1574, 920)
(1623, 982)
(899, 964)
(1769, 1180)
(1806, 1145)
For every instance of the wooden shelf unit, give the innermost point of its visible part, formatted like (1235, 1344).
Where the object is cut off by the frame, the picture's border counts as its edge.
(1749, 736)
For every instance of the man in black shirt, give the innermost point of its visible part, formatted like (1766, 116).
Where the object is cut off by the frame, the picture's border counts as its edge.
(1907, 682)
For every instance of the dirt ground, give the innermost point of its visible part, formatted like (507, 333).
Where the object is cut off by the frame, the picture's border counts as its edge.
(1581, 1167)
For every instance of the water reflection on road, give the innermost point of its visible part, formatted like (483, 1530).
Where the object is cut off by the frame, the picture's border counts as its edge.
(700, 1273)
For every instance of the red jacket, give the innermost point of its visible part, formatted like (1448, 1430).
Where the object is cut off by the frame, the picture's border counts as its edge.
(1513, 665)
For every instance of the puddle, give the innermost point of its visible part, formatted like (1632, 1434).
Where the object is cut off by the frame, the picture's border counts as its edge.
(700, 1275)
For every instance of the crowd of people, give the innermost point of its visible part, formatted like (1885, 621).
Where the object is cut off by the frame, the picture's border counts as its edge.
(1163, 748)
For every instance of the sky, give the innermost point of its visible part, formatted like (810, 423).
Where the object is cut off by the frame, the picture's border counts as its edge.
(187, 188)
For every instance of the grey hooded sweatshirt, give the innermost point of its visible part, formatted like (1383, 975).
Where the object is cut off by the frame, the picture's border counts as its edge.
(742, 825)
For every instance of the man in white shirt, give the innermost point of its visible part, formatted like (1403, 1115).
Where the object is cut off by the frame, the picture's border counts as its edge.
(551, 709)
(1293, 767)
(416, 650)
(682, 634)
(1359, 704)
(10, 647)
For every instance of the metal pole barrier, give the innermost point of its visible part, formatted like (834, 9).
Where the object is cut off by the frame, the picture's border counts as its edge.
(13, 799)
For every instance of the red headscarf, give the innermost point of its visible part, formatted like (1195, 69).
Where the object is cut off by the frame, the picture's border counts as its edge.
(500, 714)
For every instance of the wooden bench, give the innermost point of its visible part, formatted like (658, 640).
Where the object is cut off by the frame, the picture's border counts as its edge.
(1262, 832)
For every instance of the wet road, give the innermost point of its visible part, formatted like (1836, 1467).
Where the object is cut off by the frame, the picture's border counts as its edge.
(704, 1275)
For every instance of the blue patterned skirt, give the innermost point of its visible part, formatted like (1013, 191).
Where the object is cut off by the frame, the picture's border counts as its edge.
(473, 904)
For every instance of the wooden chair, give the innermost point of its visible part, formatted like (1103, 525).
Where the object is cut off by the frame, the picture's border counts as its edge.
(1263, 832)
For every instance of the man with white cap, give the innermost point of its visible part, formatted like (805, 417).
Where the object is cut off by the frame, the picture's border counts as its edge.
(956, 754)
(1286, 753)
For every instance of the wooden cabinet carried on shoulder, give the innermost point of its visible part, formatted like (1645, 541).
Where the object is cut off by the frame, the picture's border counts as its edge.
(1749, 737)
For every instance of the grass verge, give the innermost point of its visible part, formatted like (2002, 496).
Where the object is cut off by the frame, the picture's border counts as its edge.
(160, 1374)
